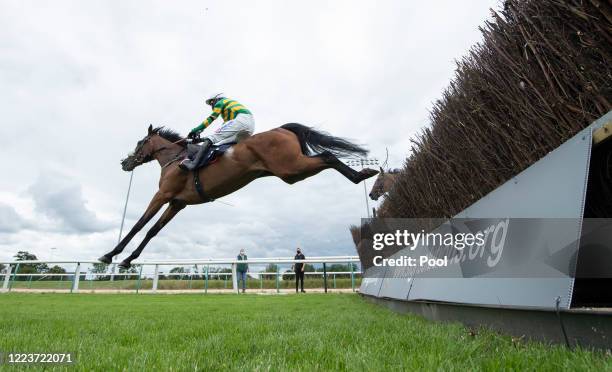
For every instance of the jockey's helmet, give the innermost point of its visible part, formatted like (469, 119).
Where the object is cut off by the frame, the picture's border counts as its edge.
(214, 99)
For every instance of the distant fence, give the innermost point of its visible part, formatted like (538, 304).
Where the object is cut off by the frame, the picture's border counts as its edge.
(147, 275)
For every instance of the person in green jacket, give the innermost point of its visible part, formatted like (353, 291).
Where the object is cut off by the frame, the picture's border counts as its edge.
(238, 124)
(242, 269)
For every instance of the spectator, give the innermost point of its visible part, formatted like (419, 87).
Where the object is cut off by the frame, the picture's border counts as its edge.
(299, 270)
(242, 269)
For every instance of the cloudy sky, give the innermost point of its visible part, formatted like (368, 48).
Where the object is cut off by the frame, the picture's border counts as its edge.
(81, 81)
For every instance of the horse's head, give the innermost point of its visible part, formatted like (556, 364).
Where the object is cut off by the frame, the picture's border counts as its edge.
(383, 183)
(143, 152)
(379, 185)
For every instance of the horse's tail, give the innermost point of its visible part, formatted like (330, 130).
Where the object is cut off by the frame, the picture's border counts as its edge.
(315, 142)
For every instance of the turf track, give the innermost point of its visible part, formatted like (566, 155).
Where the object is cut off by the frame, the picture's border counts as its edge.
(257, 332)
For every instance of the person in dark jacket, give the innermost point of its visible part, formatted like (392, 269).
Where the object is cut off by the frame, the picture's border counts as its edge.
(242, 269)
(299, 270)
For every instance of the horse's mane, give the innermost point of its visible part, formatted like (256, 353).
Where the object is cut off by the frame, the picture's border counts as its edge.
(168, 134)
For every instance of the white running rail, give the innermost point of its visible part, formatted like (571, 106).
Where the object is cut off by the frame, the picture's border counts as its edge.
(11, 272)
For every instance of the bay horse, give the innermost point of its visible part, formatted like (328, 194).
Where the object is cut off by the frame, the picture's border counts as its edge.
(383, 183)
(291, 152)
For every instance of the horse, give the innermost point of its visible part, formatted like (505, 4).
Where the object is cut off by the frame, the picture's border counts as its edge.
(291, 152)
(383, 183)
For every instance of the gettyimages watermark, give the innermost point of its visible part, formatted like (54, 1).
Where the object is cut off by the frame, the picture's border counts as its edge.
(490, 240)
(486, 247)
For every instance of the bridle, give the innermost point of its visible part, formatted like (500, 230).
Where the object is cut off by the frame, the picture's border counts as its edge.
(141, 159)
(379, 186)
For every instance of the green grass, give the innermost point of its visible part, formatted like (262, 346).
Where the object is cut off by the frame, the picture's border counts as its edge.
(181, 284)
(257, 332)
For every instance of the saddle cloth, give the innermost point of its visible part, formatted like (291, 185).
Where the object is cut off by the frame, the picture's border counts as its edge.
(213, 153)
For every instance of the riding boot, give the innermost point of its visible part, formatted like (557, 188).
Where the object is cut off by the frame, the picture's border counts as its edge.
(190, 165)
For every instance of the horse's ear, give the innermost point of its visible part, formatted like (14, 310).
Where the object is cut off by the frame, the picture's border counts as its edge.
(150, 129)
(382, 170)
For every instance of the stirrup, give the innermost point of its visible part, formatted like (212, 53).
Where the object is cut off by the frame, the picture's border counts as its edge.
(186, 166)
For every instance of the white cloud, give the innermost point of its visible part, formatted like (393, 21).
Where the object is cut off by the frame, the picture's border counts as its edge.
(60, 199)
(10, 220)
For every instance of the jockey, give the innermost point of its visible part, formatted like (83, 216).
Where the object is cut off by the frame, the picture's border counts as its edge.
(237, 124)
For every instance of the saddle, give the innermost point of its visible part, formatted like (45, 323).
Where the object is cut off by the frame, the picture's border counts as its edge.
(213, 153)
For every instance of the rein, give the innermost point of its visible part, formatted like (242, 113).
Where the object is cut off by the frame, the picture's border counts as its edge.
(164, 147)
(177, 157)
(141, 159)
(179, 141)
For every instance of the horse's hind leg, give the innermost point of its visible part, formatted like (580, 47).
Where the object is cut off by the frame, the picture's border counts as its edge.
(354, 176)
(174, 207)
(308, 166)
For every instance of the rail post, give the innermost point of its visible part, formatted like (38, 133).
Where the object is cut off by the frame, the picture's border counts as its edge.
(13, 277)
(7, 278)
(234, 278)
(206, 280)
(76, 278)
(334, 277)
(112, 274)
(197, 273)
(352, 276)
(325, 276)
(92, 277)
(155, 279)
(138, 280)
(277, 279)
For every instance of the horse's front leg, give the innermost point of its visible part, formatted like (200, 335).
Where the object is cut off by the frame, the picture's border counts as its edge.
(174, 207)
(154, 206)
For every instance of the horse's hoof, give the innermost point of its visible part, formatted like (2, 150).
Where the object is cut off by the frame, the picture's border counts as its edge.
(368, 172)
(105, 259)
(125, 265)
